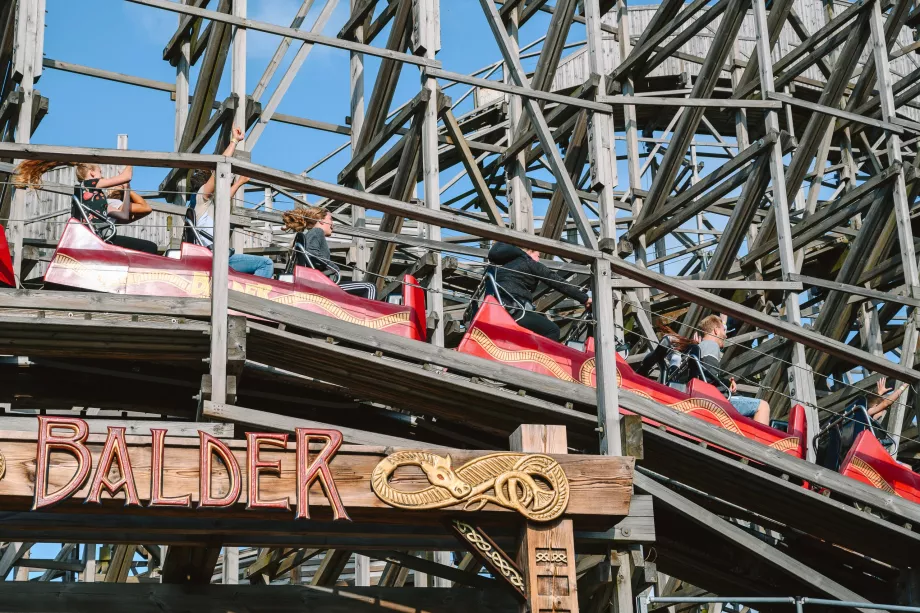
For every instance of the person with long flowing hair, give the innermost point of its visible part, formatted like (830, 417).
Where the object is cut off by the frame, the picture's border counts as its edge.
(90, 191)
(316, 225)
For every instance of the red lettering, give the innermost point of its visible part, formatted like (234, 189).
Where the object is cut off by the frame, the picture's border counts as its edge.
(317, 471)
(257, 466)
(73, 444)
(115, 446)
(157, 499)
(211, 445)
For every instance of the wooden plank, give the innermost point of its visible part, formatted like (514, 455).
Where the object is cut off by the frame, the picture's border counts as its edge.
(711, 522)
(138, 427)
(261, 26)
(714, 103)
(525, 92)
(108, 75)
(599, 487)
(857, 290)
(283, 423)
(428, 567)
(163, 598)
(827, 110)
(92, 302)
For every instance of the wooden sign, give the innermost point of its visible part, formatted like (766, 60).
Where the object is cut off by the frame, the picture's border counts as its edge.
(310, 474)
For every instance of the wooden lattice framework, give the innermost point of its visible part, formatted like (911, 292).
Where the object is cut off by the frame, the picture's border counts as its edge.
(804, 231)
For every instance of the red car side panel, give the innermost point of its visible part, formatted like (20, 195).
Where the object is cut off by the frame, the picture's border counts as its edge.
(869, 462)
(83, 260)
(493, 334)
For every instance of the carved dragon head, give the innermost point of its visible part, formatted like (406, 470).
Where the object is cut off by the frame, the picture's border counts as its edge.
(439, 473)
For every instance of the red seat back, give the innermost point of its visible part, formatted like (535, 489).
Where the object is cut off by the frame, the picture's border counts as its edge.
(7, 278)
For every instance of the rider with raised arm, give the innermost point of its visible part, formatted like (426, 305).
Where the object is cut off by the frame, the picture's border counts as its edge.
(258, 265)
(90, 192)
(518, 272)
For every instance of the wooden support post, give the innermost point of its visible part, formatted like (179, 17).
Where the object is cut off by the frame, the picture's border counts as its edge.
(89, 560)
(520, 201)
(362, 569)
(30, 24)
(219, 281)
(231, 568)
(356, 87)
(801, 379)
(547, 552)
(535, 113)
(631, 128)
(608, 410)
(238, 70)
(275, 99)
(429, 28)
(902, 205)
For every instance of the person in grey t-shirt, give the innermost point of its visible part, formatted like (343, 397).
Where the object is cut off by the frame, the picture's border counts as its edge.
(714, 334)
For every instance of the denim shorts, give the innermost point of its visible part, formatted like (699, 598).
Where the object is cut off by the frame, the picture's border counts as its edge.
(745, 405)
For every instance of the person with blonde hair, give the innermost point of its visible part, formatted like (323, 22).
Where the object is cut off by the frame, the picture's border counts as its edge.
(315, 224)
(90, 192)
(710, 347)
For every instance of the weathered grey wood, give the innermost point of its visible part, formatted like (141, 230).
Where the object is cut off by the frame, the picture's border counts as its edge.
(140, 427)
(709, 521)
(261, 26)
(156, 598)
(282, 423)
(434, 568)
(219, 280)
(104, 303)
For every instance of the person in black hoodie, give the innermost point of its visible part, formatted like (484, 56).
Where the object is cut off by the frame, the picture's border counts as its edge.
(518, 272)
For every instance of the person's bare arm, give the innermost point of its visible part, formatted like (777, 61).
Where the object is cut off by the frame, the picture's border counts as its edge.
(121, 214)
(208, 188)
(879, 403)
(120, 179)
(139, 207)
(240, 182)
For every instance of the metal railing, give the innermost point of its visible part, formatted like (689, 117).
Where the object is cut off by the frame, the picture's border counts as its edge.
(798, 601)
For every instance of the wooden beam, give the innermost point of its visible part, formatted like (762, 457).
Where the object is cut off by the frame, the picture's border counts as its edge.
(599, 486)
(282, 423)
(261, 26)
(162, 598)
(709, 521)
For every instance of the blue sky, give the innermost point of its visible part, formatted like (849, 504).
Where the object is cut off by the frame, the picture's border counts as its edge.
(129, 38)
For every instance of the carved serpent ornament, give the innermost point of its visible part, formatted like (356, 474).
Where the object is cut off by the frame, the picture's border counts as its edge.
(532, 484)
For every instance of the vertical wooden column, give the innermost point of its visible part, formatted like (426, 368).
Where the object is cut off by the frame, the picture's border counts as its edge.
(27, 63)
(219, 280)
(356, 86)
(901, 204)
(429, 25)
(520, 201)
(362, 571)
(801, 379)
(231, 568)
(547, 551)
(238, 70)
(631, 129)
(603, 178)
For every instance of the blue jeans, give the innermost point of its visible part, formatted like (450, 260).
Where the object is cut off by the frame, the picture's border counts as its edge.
(258, 265)
(745, 405)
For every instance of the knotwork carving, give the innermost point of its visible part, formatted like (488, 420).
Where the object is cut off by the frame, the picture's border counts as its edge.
(533, 485)
(487, 550)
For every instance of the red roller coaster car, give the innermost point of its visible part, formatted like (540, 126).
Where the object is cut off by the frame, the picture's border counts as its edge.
(83, 260)
(493, 334)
